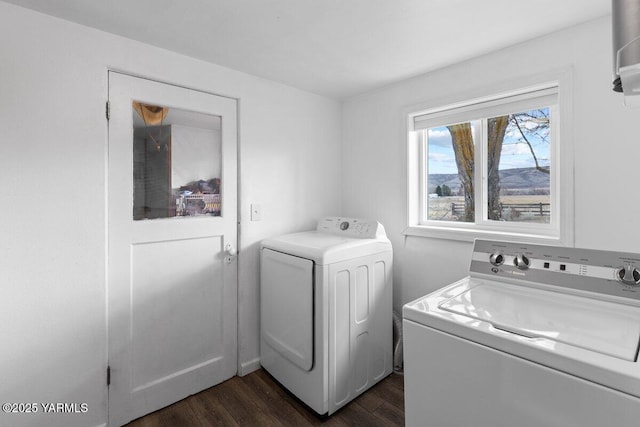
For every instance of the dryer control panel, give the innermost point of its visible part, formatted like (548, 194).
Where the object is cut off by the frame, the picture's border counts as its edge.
(351, 227)
(604, 272)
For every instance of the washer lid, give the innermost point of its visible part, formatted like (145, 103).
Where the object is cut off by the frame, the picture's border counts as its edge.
(601, 326)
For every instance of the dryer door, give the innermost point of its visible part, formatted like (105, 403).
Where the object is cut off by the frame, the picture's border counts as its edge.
(286, 306)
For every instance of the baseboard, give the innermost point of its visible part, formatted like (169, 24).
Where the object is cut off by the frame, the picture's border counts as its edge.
(248, 367)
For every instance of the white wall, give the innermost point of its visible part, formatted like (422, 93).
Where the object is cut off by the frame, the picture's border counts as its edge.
(53, 141)
(605, 137)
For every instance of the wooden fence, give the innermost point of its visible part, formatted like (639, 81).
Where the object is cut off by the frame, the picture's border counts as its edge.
(539, 209)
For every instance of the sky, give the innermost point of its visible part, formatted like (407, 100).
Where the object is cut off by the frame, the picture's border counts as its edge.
(515, 154)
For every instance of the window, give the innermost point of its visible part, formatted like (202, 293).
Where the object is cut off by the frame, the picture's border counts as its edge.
(489, 167)
(176, 163)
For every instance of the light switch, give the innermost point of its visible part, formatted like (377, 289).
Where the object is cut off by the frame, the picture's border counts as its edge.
(256, 212)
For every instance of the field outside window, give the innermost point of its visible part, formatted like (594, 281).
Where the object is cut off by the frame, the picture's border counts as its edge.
(518, 169)
(490, 165)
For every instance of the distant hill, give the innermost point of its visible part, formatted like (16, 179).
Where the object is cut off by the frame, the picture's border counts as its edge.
(514, 180)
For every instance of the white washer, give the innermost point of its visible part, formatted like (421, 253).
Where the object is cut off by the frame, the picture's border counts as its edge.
(534, 336)
(326, 311)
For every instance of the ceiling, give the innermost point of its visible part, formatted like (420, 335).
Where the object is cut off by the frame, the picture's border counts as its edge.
(335, 48)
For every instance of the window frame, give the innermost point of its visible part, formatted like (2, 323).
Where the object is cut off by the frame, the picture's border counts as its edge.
(560, 228)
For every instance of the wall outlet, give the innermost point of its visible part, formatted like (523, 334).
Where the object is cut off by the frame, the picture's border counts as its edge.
(256, 212)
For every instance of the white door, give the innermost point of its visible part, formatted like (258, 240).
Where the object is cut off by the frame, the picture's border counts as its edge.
(172, 272)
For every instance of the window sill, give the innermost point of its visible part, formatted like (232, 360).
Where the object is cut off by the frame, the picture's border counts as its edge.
(470, 234)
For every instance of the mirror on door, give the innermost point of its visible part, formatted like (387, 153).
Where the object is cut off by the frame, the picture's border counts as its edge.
(176, 163)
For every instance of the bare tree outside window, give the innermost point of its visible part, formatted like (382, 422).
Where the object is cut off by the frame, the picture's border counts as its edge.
(517, 169)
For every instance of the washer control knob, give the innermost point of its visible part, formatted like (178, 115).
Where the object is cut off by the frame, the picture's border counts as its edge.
(496, 259)
(629, 275)
(521, 261)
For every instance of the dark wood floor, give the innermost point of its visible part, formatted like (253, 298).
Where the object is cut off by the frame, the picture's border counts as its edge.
(258, 400)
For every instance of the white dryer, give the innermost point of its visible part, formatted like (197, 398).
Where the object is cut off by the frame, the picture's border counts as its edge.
(326, 320)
